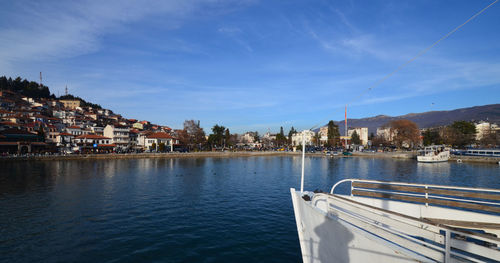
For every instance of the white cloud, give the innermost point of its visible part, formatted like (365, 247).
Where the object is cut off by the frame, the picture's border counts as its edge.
(62, 29)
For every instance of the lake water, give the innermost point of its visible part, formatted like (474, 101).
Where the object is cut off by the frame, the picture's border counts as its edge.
(181, 210)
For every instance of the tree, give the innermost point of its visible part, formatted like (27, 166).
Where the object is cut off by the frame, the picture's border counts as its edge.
(227, 138)
(153, 147)
(280, 137)
(380, 141)
(333, 134)
(490, 139)
(161, 147)
(355, 138)
(41, 133)
(256, 137)
(290, 135)
(461, 133)
(431, 136)
(217, 136)
(405, 133)
(195, 134)
(316, 138)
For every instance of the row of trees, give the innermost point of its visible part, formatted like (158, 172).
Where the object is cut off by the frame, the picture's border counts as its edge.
(27, 88)
(34, 90)
(460, 134)
(402, 134)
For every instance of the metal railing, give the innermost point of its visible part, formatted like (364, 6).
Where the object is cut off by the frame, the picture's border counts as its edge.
(484, 199)
(427, 239)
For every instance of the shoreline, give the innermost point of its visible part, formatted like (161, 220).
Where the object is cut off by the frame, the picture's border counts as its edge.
(392, 155)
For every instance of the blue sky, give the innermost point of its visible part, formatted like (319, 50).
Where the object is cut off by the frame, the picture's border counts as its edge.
(255, 65)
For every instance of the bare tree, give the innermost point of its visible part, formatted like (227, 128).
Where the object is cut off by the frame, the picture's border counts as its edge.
(195, 136)
(490, 139)
(405, 133)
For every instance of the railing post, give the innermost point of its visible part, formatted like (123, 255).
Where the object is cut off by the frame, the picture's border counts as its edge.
(447, 244)
(352, 188)
(426, 196)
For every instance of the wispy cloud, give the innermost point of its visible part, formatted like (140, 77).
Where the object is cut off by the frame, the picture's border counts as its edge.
(55, 29)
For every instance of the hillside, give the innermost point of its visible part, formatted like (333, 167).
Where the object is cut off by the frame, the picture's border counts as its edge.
(429, 119)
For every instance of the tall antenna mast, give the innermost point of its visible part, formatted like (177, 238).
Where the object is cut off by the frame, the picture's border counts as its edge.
(41, 80)
(66, 90)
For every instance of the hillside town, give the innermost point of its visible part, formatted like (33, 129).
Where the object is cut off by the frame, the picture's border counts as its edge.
(69, 126)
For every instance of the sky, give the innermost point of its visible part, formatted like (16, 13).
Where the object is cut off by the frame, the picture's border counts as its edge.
(254, 65)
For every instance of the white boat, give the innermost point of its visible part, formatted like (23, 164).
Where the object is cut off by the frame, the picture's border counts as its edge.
(434, 154)
(398, 222)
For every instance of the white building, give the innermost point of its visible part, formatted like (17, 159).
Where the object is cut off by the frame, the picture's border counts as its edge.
(152, 141)
(297, 137)
(119, 135)
(248, 137)
(482, 128)
(362, 133)
(385, 133)
(323, 134)
(74, 130)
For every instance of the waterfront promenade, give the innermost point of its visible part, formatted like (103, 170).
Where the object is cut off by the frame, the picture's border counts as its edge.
(230, 154)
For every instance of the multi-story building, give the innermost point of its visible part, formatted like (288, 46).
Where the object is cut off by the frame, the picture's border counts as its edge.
(64, 141)
(385, 133)
(74, 130)
(51, 133)
(309, 137)
(97, 130)
(93, 143)
(482, 128)
(323, 135)
(70, 104)
(119, 135)
(153, 140)
(362, 133)
(248, 137)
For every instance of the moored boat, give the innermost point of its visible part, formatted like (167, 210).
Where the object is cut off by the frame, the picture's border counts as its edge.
(398, 222)
(434, 154)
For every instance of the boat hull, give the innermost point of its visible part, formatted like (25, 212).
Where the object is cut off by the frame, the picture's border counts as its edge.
(326, 238)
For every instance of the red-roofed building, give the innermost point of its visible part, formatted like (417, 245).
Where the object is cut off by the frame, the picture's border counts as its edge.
(65, 142)
(157, 141)
(91, 143)
(119, 135)
(75, 130)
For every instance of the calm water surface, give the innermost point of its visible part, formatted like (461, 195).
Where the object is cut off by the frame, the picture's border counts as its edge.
(181, 210)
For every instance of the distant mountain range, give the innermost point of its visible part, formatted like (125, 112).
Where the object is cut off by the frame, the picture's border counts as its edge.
(490, 113)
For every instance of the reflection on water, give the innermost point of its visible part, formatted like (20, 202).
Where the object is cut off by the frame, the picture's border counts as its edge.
(193, 209)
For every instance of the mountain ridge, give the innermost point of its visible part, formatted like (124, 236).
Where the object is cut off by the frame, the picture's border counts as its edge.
(429, 119)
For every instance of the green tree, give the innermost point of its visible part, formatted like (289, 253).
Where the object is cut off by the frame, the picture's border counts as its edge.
(161, 147)
(217, 136)
(227, 138)
(41, 133)
(333, 134)
(461, 133)
(256, 137)
(280, 137)
(153, 147)
(355, 138)
(290, 135)
(431, 137)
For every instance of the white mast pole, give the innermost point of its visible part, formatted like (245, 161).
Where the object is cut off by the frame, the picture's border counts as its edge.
(303, 160)
(345, 126)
